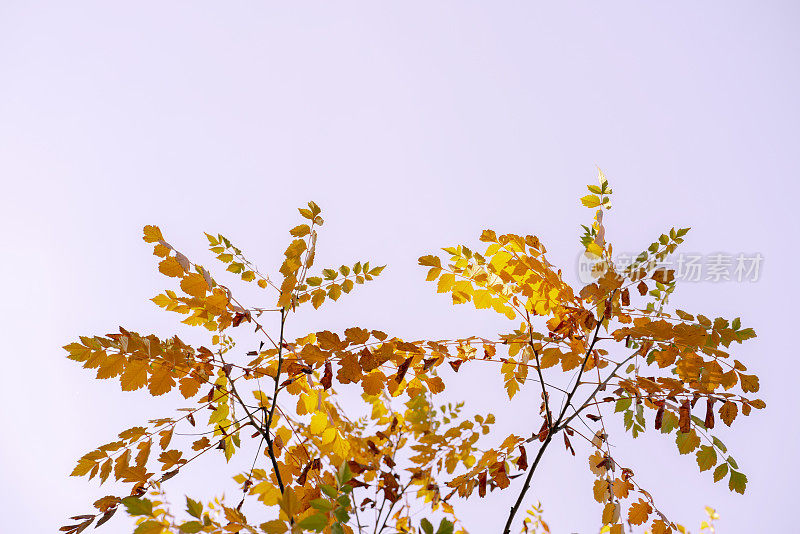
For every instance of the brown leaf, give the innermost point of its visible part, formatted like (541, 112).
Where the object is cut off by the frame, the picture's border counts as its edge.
(356, 467)
(664, 276)
(568, 445)
(106, 516)
(455, 364)
(301, 480)
(327, 376)
(709, 421)
(642, 287)
(402, 369)
(373, 449)
(685, 421)
(522, 461)
(728, 412)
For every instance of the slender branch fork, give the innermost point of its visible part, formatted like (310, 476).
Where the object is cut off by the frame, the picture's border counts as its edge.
(263, 428)
(553, 429)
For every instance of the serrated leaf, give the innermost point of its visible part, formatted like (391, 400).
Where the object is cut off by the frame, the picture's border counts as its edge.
(194, 508)
(720, 472)
(706, 457)
(315, 522)
(138, 506)
(737, 482)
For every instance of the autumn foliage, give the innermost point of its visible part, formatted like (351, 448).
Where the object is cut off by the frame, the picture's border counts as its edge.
(616, 343)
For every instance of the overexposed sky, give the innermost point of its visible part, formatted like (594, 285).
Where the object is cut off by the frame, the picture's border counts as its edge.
(414, 125)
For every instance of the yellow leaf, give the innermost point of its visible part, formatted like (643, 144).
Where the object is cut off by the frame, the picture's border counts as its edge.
(284, 434)
(152, 234)
(334, 291)
(195, 285)
(590, 201)
(596, 464)
(161, 251)
(482, 299)
(639, 511)
(659, 527)
(170, 459)
(170, 267)
(600, 490)
(595, 250)
(112, 366)
(549, 357)
(373, 383)
(135, 375)
(276, 526)
(446, 282)
(217, 303)
(189, 386)
(161, 381)
(611, 513)
(319, 422)
(328, 435)
(300, 231)
(622, 488)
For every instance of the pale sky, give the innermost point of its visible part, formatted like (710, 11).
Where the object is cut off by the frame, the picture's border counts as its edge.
(414, 125)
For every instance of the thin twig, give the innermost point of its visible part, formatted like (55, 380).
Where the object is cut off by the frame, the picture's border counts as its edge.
(554, 430)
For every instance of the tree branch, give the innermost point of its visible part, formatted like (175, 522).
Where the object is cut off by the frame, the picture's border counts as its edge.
(263, 429)
(545, 396)
(555, 428)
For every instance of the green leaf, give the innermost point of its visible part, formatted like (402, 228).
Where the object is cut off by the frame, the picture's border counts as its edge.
(341, 514)
(315, 522)
(344, 474)
(720, 472)
(623, 404)
(732, 463)
(668, 423)
(137, 506)
(426, 526)
(322, 504)
(191, 527)
(706, 457)
(445, 527)
(194, 508)
(687, 442)
(330, 491)
(149, 527)
(737, 482)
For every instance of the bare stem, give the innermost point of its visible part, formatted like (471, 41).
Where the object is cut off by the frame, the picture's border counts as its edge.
(554, 429)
